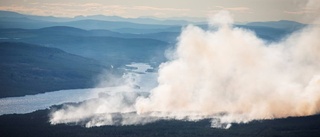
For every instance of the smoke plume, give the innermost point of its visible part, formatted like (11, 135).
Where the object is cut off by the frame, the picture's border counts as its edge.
(226, 74)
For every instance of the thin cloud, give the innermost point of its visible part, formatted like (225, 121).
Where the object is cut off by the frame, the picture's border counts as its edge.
(157, 9)
(295, 12)
(238, 9)
(75, 9)
(303, 11)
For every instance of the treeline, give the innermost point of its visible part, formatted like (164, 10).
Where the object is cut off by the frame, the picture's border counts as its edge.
(36, 125)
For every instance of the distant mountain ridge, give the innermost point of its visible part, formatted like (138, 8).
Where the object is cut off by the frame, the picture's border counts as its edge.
(65, 30)
(10, 19)
(139, 20)
(281, 24)
(88, 24)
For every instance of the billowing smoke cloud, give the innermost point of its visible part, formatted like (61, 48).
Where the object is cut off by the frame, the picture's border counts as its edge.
(226, 74)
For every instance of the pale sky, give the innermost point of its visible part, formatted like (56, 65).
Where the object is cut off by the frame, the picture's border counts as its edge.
(242, 10)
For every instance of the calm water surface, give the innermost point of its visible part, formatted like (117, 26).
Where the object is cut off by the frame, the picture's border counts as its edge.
(146, 81)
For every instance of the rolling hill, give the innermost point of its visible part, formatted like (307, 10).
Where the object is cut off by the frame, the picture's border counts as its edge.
(7, 34)
(29, 69)
(96, 44)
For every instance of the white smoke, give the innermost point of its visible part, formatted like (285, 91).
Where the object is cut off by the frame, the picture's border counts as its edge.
(226, 74)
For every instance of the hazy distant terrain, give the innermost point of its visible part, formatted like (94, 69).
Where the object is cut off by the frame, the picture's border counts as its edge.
(39, 49)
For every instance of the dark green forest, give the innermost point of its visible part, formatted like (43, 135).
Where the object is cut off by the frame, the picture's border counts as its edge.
(36, 125)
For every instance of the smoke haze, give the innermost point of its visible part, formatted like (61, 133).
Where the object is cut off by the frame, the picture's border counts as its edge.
(226, 74)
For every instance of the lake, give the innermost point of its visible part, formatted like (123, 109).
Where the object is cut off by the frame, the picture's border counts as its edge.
(29, 103)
